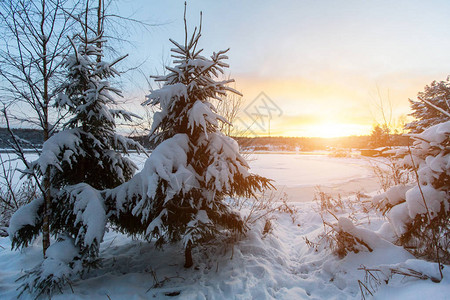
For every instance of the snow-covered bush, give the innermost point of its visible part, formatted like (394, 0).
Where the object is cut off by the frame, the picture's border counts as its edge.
(350, 238)
(180, 193)
(265, 206)
(384, 274)
(77, 162)
(339, 216)
(343, 236)
(419, 213)
(390, 171)
(326, 202)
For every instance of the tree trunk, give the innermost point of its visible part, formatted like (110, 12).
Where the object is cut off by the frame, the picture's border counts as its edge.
(46, 129)
(46, 180)
(188, 256)
(100, 16)
(46, 221)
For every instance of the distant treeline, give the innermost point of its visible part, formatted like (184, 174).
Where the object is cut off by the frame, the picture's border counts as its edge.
(310, 144)
(35, 137)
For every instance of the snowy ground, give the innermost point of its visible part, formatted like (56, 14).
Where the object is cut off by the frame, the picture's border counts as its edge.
(274, 265)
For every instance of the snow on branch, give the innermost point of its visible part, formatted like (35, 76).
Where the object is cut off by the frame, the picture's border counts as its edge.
(435, 107)
(90, 212)
(66, 144)
(202, 115)
(165, 95)
(167, 162)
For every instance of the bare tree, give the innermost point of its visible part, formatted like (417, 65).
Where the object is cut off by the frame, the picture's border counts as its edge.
(386, 125)
(229, 107)
(34, 45)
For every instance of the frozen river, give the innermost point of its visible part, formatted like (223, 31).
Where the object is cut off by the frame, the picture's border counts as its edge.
(297, 170)
(298, 175)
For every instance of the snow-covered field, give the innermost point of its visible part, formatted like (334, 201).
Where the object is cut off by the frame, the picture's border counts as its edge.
(298, 175)
(278, 264)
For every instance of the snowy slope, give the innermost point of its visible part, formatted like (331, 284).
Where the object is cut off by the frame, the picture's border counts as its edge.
(278, 265)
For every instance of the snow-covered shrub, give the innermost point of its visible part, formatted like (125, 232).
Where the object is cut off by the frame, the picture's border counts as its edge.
(339, 216)
(326, 201)
(391, 197)
(414, 268)
(26, 223)
(343, 237)
(390, 171)
(419, 213)
(264, 206)
(348, 238)
(180, 193)
(84, 209)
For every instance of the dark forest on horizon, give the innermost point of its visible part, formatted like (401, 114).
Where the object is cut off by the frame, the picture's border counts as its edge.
(262, 143)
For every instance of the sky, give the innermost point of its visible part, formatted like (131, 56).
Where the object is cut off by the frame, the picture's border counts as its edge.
(325, 68)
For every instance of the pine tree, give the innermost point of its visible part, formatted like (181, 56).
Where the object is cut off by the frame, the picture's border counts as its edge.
(438, 94)
(85, 157)
(180, 194)
(380, 136)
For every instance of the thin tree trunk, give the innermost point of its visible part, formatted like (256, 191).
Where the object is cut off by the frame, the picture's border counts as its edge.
(99, 26)
(46, 183)
(45, 224)
(188, 256)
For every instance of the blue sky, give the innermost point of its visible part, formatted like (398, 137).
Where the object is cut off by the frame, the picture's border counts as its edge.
(323, 62)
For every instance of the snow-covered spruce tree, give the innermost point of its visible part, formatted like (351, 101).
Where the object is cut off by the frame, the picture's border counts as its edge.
(438, 94)
(86, 156)
(180, 193)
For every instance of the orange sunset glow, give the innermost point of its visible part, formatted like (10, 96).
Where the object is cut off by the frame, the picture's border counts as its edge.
(333, 108)
(330, 68)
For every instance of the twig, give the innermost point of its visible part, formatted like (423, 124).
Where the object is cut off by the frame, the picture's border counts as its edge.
(112, 242)
(19, 151)
(362, 292)
(70, 285)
